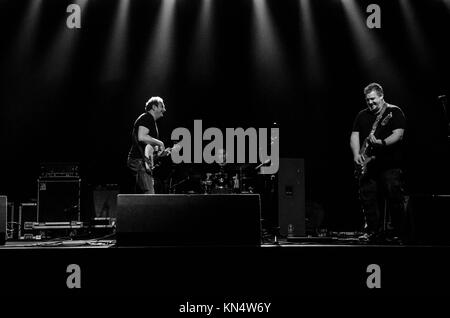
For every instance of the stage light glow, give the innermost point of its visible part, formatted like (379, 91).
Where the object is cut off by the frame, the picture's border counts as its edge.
(447, 3)
(159, 56)
(115, 53)
(267, 52)
(367, 46)
(311, 62)
(415, 35)
(372, 58)
(265, 41)
(56, 63)
(26, 36)
(201, 51)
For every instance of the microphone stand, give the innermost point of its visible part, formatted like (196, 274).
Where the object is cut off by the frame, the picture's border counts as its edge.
(271, 204)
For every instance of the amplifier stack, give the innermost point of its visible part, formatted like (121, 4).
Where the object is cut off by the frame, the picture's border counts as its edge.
(58, 199)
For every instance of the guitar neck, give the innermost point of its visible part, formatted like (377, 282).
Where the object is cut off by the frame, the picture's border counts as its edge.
(364, 147)
(372, 131)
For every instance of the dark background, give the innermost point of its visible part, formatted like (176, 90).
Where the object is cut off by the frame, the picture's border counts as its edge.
(61, 101)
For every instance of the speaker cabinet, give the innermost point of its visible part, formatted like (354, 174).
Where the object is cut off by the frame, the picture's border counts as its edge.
(180, 220)
(59, 200)
(3, 212)
(291, 197)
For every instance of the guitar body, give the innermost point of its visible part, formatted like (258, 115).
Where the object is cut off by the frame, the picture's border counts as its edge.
(149, 158)
(154, 156)
(361, 170)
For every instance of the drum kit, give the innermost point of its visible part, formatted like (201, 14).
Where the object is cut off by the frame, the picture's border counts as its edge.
(226, 183)
(223, 181)
(220, 178)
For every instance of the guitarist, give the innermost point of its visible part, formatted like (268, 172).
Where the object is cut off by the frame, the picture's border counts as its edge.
(376, 138)
(145, 132)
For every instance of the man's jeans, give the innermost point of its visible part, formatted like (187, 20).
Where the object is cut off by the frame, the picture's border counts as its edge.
(377, 189)
(144, 181)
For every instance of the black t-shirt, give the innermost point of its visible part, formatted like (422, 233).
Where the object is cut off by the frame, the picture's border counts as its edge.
(146, 120)
(389, 156)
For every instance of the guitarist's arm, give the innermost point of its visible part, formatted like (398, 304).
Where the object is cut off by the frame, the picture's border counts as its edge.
(144, 137)
(354, 145)
(396, 136)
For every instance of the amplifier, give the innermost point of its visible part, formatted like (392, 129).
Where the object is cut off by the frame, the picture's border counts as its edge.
(51, 230)
(59, 200)
(59, 170)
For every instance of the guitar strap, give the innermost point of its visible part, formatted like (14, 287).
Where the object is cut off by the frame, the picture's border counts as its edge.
(377, 120)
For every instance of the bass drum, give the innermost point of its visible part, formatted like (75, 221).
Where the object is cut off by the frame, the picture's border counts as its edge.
(221, 183)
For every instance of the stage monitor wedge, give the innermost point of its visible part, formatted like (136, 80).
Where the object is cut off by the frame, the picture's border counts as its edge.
(188, 220)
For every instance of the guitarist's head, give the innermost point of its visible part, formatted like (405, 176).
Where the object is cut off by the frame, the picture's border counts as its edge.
(374, 96)
(155, 106)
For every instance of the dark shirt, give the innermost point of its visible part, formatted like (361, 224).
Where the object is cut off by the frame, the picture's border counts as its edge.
(389, 156)
(146, 120)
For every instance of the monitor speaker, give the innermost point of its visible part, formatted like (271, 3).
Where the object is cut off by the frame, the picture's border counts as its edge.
(3, 212)
(196, 220)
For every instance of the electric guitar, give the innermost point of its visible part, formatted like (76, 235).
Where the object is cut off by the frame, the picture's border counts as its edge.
(361, 170)
(154, 155)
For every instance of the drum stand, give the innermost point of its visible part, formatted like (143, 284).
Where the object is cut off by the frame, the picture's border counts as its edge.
(172, 187)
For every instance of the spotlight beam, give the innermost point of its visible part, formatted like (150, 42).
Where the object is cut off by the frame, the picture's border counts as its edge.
(370, 53)
(415, 35)
(309, 36)
(61, 52)
(160, 50)
(114, 66)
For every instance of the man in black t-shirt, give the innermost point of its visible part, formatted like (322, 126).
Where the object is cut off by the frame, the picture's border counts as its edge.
(145, 132)
(382, 126)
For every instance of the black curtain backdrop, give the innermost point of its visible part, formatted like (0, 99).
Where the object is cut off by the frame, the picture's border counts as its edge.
(62, 106)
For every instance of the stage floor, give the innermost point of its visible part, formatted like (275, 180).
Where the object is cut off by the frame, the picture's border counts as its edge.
(287, 277)
(301, 243)
(309, 264)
